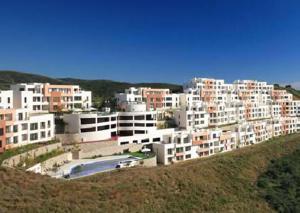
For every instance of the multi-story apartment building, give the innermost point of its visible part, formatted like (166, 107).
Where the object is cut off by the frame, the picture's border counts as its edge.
(263, 130)
(191, 117)
(221, 114)
(212, 141)
(91, 126)
(154, 98)
(19, 127)
(95, 126)
(245, 134)
(53, 98)
(6, 99)
(175, 147)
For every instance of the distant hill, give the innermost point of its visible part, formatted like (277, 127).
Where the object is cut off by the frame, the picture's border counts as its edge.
(101, 89)
(12, 77)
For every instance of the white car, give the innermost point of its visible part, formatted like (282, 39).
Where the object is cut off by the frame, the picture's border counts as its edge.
(126, 164)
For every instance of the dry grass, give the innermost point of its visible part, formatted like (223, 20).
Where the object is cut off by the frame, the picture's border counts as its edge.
(223, 183)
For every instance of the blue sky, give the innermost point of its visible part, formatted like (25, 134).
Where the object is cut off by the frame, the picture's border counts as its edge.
(152, 41)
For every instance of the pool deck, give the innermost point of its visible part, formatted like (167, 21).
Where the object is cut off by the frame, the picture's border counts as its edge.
(66, 169)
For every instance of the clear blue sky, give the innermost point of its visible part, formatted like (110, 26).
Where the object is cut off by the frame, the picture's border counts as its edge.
(152, 40)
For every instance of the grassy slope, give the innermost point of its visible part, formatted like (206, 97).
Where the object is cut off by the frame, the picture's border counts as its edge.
(223, 183)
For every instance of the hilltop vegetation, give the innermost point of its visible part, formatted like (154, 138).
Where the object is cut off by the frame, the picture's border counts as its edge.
(222, 183)
(102, 89)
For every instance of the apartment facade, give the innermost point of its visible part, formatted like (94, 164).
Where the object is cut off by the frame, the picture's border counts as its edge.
(19, 127)
(40, 97)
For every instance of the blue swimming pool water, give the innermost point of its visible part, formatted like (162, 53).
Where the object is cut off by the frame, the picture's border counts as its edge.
(92, 168)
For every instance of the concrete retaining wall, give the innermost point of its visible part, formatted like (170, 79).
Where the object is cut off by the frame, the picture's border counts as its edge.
(110, 150)
(58, 160)
(149, 162)
(15, 160)
(47, 165)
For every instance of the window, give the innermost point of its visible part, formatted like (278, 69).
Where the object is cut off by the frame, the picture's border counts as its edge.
(43, 134)
(100, 128)
(1, 131)
(113, 126)
(15, 128)
(16, 139)
(188, 156)
(186, 140)
(170, 151)
(7, 140)
(139, 117)
(77, 98)
(149, 117)
(156, 139)
(125, 118)
(43, 125)
(139, 124)
(24, 126)
(7, 129)
(124, 142)
(126, 124)
(113, 118)
(20, 116)
(139, 132)
(100, 120)
(24, 137)
(88, 120)
(34, 126)
(150, 124)
(188, 148)
(33, 136)
(145, 140)
(113, 134)
(92, 129)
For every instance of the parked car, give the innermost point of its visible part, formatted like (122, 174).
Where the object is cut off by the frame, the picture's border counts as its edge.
(126, 164)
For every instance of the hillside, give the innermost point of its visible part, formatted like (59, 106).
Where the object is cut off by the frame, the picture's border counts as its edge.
(222, 183)
(102, 89)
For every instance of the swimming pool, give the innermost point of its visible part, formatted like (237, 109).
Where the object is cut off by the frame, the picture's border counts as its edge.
(95, 167)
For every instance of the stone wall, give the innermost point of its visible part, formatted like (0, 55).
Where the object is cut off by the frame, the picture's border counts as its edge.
(15, 160)
(49, 164)
(149, 162)
(57, 160)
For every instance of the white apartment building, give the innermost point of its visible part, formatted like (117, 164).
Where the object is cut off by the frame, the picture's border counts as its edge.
(131, 123)
(263, 130)
(222, 114)
(245, 134)
(46, 97)
(6, 99)
(212, 141)
(191, 117)
(19, 127)
(175, 147)
(130, 95)
(171, 101)
(91, 126)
